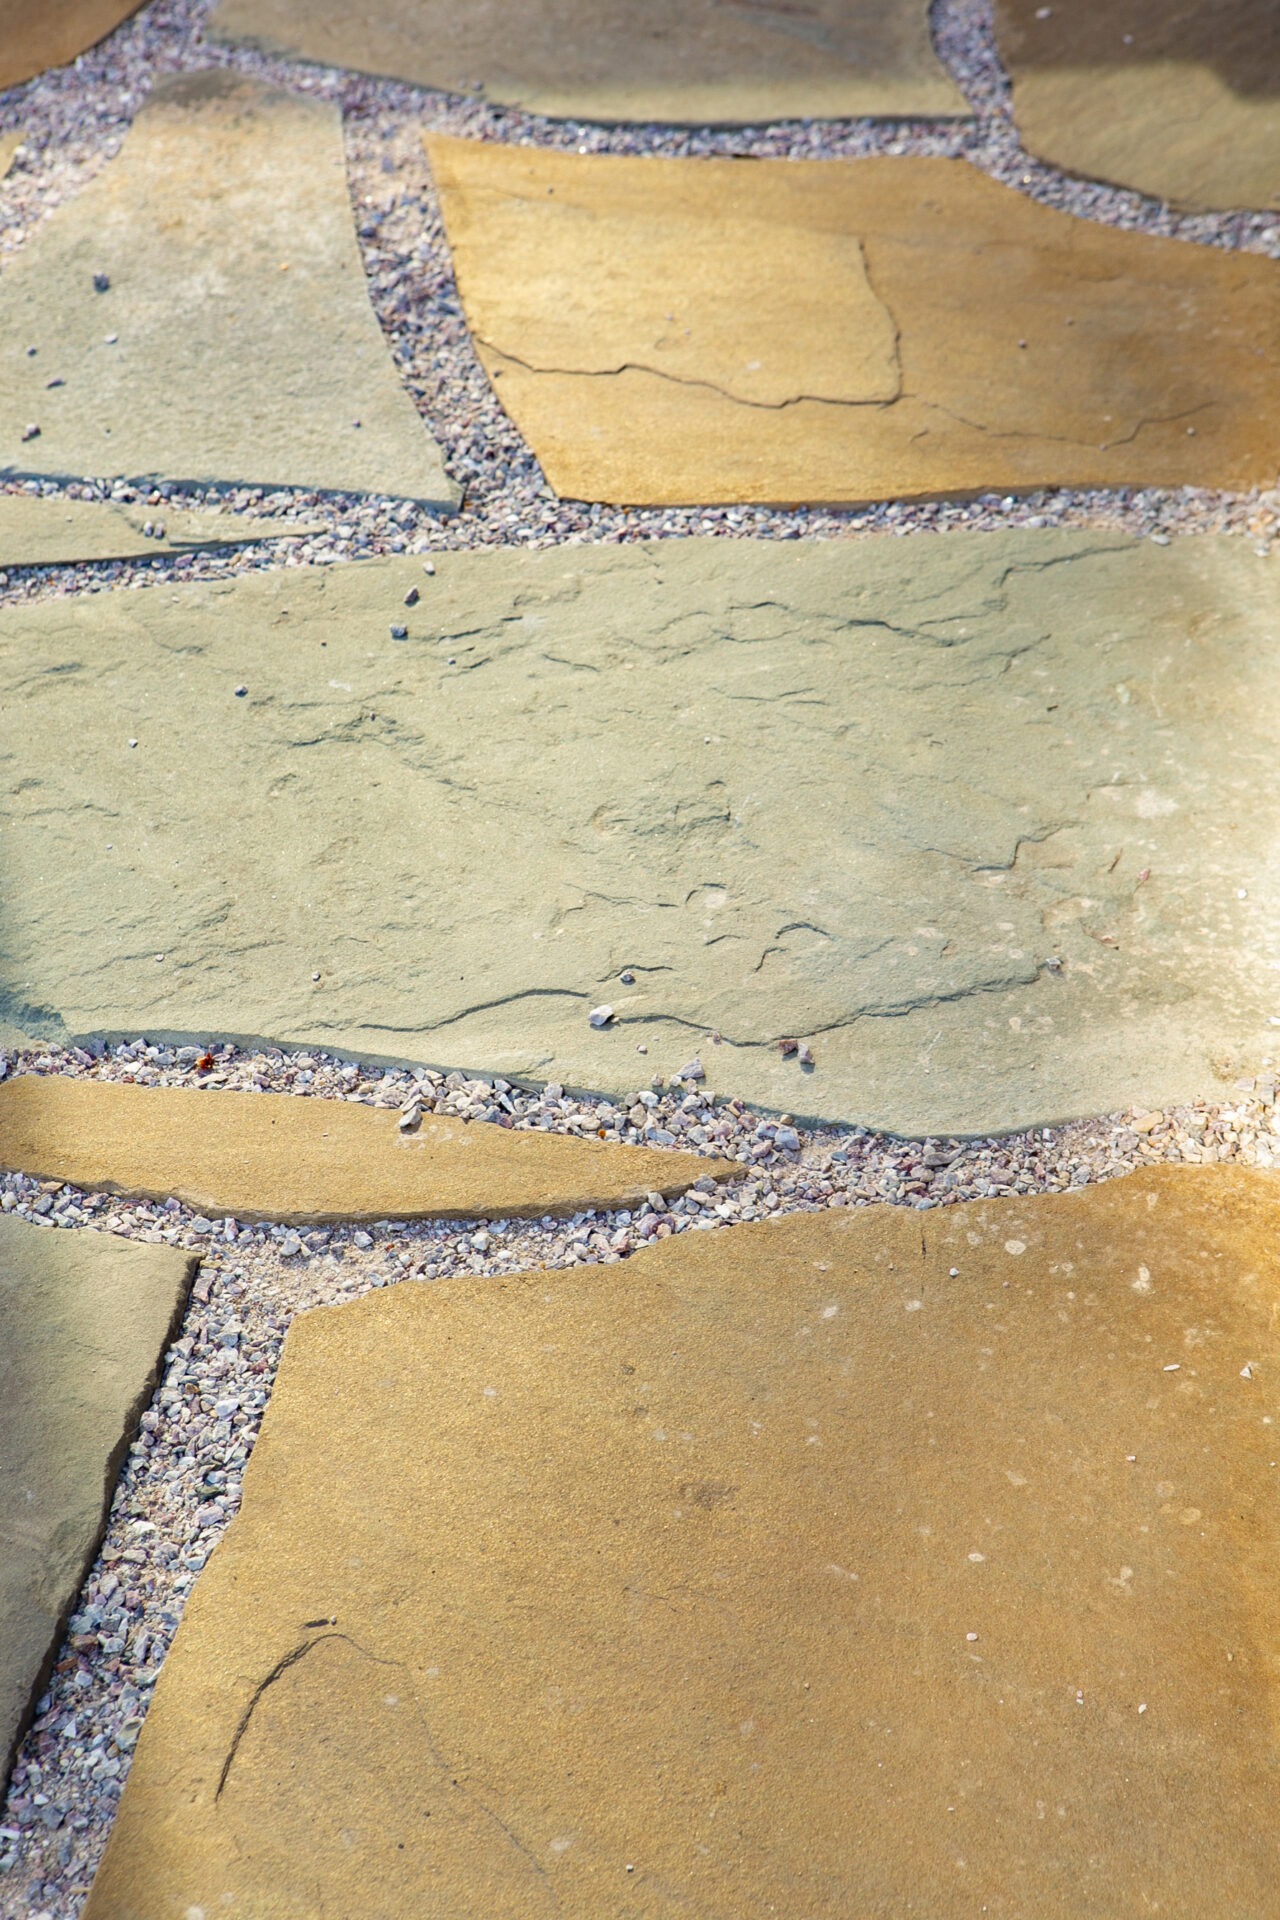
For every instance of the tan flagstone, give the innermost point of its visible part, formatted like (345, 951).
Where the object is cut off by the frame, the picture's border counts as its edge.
(84, 1319)
(1032, 348)
(700, 62)
(272, 1157)
(1181, 102)
(38, 34)
(882, 1562)
(235, 342)
(991, 820)
(9, 144)
(38, 532)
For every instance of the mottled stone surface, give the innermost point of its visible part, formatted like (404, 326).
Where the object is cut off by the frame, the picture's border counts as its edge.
(264, 1157)
(844, 1564)
(1026, 347)
(1181, 101)
(84, 1319)
(704, 62)
(38, 34)
(991, 819)
(235, 343)
(38, 533)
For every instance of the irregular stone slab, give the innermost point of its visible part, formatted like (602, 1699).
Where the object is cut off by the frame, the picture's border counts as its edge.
(38, 34)
(270, 1157)
(990, 819)
(699, 63)
(9, 144)
(841, 1564)
(1182, 102)
(1108, 358)
(235, 342)
(84, 1319)
(42, 533)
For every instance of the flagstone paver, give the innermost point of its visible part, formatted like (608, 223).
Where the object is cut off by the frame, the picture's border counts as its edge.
(1182, 102)
(265, 1157)
(692, 61)
(1032, 348)
(42, 532)
(200, 312)
(840, 1564)
(38, 34)
(84, 1319)
(990, 820)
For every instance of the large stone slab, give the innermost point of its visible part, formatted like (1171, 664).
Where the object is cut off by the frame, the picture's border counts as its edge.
(1182, 102)
(837, 1565)
(744, 359)
(235, 342)
(38, 34)
(84, 1319)
(990, 819)
(38, 532)
(271, 1157)
(690, 61)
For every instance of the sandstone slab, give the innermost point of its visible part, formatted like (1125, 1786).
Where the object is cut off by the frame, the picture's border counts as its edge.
(84, 1319)
(688, 61)
(38, 34)
(1015, 346)
(270, 1157)
(843, 1564)
(36, 532)
(990, 819)
(1181, 102)
(234, 342)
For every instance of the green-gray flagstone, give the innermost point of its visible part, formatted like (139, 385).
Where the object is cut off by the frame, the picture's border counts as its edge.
(990, 820)
(84, 1319)
(199, 312)
(36, 532)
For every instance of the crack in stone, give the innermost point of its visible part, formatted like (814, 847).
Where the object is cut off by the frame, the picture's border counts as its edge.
(683, 380)
(282, 1666)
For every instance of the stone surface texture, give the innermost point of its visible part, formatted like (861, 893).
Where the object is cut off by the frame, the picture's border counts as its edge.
(38, 34)
(84, 1320)
(36, 532)
(1181, 101)
(837, 1565)
(267, 1158)
(990, 820)
(696, 62)
(1105, 357)
(235, 342)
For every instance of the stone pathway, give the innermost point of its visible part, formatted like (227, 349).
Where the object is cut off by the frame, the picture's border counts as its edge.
(311, 1161)
(1182, 102)
(745, 792)
(84, 1321)
(646, 1589)
(694, 62)
(198, 313)
(853, 1547)
(1109, 358)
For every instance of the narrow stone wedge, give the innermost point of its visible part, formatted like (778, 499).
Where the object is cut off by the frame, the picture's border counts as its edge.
(991, 820)
(1181, 102)
(885, 1563)
(84, 1320)
(38, 34)
(843, 331)
(698, 62)
(42, 533)
(201, 312)
(271, 1157)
